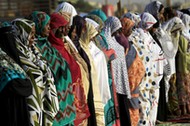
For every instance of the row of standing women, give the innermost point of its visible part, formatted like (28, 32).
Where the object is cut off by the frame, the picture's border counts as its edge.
(65, 69)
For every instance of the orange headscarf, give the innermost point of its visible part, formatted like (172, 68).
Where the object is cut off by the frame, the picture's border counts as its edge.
(127, 24)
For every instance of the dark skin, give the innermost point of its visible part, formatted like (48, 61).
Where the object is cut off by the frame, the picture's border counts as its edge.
(46, 30)
(32, 36)
(62, 31)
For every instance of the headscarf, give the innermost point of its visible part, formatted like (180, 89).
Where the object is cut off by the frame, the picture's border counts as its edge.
(100, 14)
(112, 24)
(40, 19)
(66, 15)
(147, 21)
(186, 31)
(96, 25)
(67, 7)
(127, 23)
(62, 75)
(44, 91)
(97, 20)
(134, 17)
(154, 8)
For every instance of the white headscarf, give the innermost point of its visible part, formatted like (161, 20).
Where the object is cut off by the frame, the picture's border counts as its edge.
(186, 31)
(147, 21)
(96, 25)
(119, 66)
(67, 7)
(153, 8)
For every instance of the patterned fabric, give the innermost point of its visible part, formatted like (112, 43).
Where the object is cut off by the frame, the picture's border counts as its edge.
(119, 66)
(62, 75)
(67, 7)
(100, 14)
(56, 22)
(9, 70)
(40, 19)
(134, 17)
(153, 8)
(43, 103)
(127, 25)
(80, 90)
(148, 51)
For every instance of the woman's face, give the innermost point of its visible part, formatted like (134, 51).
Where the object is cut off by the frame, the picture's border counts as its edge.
(46, 30)
(62, 31)
(32, 36)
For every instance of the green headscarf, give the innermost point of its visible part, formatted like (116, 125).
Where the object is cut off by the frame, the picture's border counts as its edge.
(40, 19)
(100, 14)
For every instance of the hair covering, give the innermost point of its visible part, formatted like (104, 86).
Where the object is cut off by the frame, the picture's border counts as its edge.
(97, 20)
(186, 31)
(67, 7)
(100, 14)
(147, 21)
(41, 19)
(57, 21)
(66, 15)
(133, 16)
(127, 24)
(112, 24)
(44, 91)
(96, 25)
(154, 8)
(173, 25)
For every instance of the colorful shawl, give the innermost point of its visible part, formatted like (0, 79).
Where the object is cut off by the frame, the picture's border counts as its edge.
(43, 103)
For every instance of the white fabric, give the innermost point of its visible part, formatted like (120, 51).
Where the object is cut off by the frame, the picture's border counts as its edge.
(147, 21)
(119, 66)
(186, 21)
(96, 25)
(67, 7)
(153, 8)
(174, 24)
(102, 71)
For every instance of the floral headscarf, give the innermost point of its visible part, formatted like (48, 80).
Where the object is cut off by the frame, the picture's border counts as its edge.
(41, 19)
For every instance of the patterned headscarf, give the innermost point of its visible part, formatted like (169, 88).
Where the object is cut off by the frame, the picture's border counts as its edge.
(147, 21)
(100, 14)
(127, 24)
(41, 19)
(67, 7)
(97, 20)
(154, 8)
(112, 24)
(44, 91)
(134, 17)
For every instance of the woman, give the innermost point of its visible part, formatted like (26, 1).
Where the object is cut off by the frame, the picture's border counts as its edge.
(15, 86)
(43, 103)
(58, 27)
(67, 7)
(172, 28)
(119, 68)
(134, 67)
(59, 66)
(148, 51)
(156, 9)
(182, 67)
